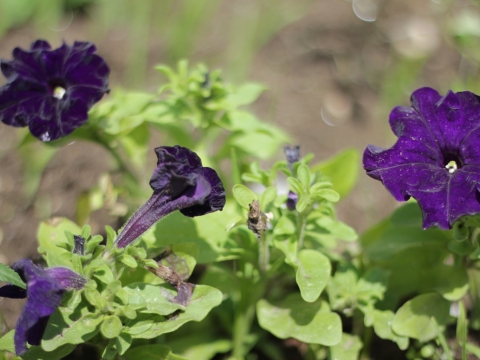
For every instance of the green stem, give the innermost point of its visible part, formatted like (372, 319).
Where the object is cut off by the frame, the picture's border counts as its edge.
(443, 343)
(251, 292)
(263, 253)
(301, 225)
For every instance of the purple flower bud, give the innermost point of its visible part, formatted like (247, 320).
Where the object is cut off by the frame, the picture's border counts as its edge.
(292, 154)
(436, 159)
(292, 200)
(51, 91)
(45, 288)
(78, 245)
(179, 182)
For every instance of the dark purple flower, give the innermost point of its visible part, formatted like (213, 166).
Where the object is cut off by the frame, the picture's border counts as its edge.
(436, 159)
(45, 288)
(179, 182)
(51, 91)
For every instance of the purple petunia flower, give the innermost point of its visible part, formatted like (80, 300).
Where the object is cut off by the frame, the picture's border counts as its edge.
(179, 182)
(436, 159)
(292, 200)
(45, 288)
(51, 91)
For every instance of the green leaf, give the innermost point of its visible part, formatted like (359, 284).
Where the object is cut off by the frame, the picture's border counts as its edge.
(348, 348)
(407, 215)
(267, 197)
(303, 203)
(421, 317)
(6, 342)
(312, 274)
(303, 175)
(246, 94)
(382, 324)
(155, 299)
(284, 226)
(337, 228)
(129, 261)
(312, 323)
(111, 326)
(151, 352)
(200, 346)
(243, 195)
(450, 281)
(295, 185)
(37, 353)
(9, 275)
(204, 299)
(342, 169)
(53, 241)
(327, 194)
(70, 326)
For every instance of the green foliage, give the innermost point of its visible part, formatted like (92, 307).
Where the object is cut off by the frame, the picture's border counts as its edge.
(308, 322)
(7, 274)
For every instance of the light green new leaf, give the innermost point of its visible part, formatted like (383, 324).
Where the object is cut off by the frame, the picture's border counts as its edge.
(421, 317)
(342, 169)
(204, 299)
(327, 194)
(295, 185)
(312, 323)
(111, 326)
(313, 272)
(9, 275)
(243, 195)
(303, 175)
(348, 348)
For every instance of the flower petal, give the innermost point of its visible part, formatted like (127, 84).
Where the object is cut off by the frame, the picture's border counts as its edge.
(66, 278)
(214, 201)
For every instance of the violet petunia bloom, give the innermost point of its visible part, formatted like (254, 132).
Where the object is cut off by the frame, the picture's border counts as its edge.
(51, 91)
(45, 288)
(179, 182)
(436, 159)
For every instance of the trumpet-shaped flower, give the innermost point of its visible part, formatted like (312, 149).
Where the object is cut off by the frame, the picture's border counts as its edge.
(436, 158)
(179, 182)
(51, 91)
(44, 291)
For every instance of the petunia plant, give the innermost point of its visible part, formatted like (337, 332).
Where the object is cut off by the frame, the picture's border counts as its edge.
(227, 255)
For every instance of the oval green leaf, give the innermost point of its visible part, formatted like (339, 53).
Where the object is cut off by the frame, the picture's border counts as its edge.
(313, 273)
(312, 323)
(421, 317)
(243, 195)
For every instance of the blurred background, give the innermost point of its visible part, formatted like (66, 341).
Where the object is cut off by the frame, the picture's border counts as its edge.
(334, 70)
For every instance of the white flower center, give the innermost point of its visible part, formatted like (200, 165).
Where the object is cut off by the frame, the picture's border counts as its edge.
(58, 92)
(451, 167)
